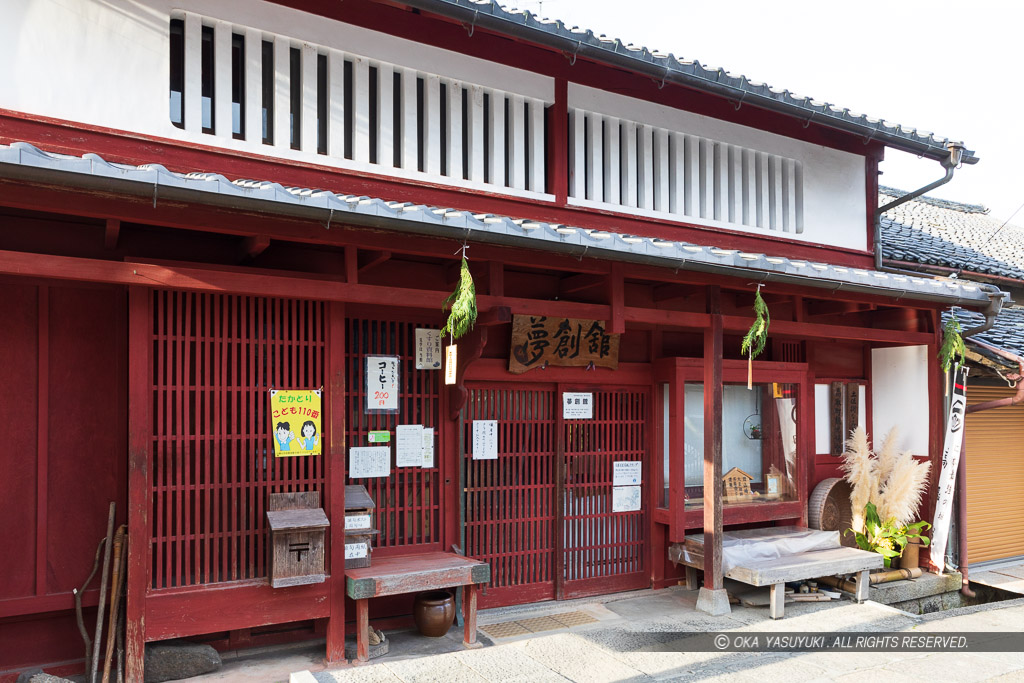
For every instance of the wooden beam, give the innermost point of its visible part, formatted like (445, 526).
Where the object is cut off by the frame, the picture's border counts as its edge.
(253, 246)
(580, 282)
(672, 292)
(351, 264)
(111, 233)
(496, 278)
(713, 391)
(788, 328)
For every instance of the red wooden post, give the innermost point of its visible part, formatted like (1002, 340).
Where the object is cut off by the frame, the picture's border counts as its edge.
(616, 299)
(713, 578)
(469, 614)
(362, 629)
(139, 431)
(335, 476)
(677, 458)
(42, 443)
(558, 143)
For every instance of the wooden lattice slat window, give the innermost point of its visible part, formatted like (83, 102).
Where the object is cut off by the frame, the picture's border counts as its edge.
(212, 463)
(409, 511)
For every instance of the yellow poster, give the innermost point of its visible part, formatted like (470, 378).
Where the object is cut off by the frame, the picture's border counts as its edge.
(295, 419)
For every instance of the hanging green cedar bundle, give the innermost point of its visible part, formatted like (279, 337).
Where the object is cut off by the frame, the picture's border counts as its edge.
(757, 336)
(952, 344)
(462, 304)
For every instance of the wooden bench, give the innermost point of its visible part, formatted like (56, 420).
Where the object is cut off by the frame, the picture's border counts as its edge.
(777, 571)
(399, 574)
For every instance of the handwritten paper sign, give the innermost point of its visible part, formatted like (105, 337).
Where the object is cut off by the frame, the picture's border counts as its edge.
(428, 447)
(409, 446)
(382, 384)
(357, 522)
(295, 422)
(573, 342)
(485, 439)
(428, 349)
(365, 462)
(577, 406)
(355, 551)
(625, 498)
(627, 472)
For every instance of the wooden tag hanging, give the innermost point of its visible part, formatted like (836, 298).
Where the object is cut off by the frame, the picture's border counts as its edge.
(451, 363)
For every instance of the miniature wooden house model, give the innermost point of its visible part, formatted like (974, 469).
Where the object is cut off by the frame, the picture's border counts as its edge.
(736, 485)
(296, 525)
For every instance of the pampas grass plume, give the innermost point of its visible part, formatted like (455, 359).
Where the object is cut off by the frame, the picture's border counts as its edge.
(861, 473)
(888, 454)
(901, 497)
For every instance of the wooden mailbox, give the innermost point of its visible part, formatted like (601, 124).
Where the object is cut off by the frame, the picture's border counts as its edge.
(297, 526)
(359, 527)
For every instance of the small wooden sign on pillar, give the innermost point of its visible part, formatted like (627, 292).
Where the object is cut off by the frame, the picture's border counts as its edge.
(297, 527)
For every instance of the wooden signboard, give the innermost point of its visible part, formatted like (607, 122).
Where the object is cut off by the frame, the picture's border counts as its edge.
(837, 437)
(538, 341)
(852, 406)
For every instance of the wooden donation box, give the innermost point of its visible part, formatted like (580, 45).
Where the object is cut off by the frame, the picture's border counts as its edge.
(359, 527)
(297, 526)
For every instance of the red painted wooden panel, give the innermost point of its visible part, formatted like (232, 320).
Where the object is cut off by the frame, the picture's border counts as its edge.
(18, 407)
(87, 427)
(604, 551)
(510, 502)
(216, 356)
(409, 502)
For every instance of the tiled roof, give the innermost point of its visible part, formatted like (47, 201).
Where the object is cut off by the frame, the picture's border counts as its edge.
(1007, 333)
(942, 233)
(25, 161)
(575, 41)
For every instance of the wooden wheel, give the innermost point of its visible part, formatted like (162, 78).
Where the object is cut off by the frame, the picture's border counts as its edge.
(829, 509)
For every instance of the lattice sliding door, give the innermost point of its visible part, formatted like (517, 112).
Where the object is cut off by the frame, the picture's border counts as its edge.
(604, 551)
(510, 502)
(212, 462)
(409, 502)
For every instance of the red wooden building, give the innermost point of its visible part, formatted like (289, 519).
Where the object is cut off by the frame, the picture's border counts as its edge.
(202, 203)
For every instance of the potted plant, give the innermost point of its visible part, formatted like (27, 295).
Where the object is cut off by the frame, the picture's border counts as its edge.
(885, 494)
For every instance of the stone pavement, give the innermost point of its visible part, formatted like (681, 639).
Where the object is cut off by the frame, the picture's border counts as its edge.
(609, 648)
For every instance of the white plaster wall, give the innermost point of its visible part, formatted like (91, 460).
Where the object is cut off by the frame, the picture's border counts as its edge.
(899, 396)
(835, 211)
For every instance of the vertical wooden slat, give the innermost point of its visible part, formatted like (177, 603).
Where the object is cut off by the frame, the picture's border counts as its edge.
(612, 180)
(386, 115)
(410, 118)
(577, 154)
(222, 118)
(496, 138)
(721, 191)
(42, 430)
(735, 184)
(749, 171)
(454, 125)
(193, 73)
(775, 192)
(309, 127)
(361, 103)
(595, 157)
(336, 103)
(629, 164)
(691, 176)
(475, 123)
(253, 85)
(282, 93)
(432, 123)
(538, 160)
(645, 167)
(516, 143)
(661, 175)
(677, 173)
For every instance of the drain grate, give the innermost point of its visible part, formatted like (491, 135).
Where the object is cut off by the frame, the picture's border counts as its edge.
(553, 622)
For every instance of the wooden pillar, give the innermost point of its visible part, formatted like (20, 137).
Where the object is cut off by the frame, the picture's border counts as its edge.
(558, 144)
(713, 598)
(140, 378)
(334, 403)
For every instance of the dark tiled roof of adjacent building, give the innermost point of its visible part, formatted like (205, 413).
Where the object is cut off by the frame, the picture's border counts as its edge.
(575, 42)
(938, 232)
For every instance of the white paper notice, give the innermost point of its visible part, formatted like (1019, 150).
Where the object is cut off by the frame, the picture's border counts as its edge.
(357, 522)
(627, 473)
(409, 446)
(577, 406)
(485, 439)
(354, 551)
(365, 462)
(428, 447)
(625, 498)
(428, 349)
(451, 363)
(382, 384)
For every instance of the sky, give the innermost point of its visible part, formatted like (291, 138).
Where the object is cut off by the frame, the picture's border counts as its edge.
(952, 68)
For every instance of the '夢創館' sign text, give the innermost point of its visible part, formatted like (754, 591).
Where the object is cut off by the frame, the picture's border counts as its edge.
(537, 340)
